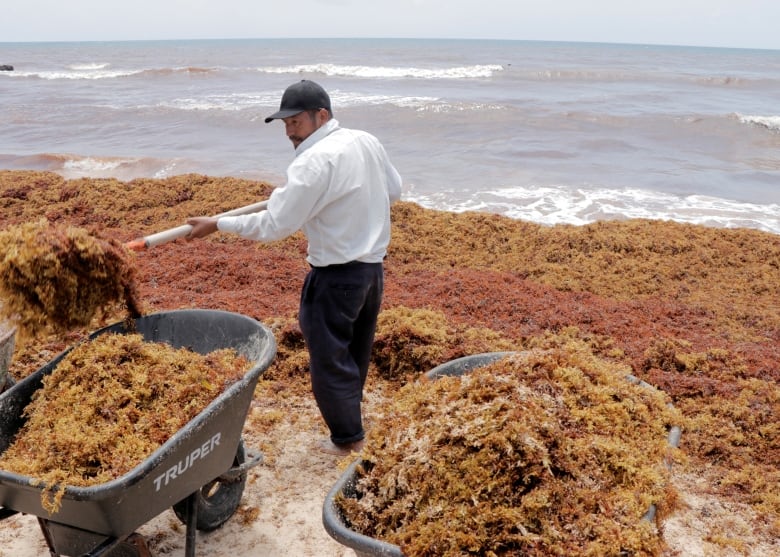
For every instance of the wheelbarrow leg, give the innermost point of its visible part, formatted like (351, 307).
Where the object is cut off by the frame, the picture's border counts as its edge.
(47, 536)
(192, 521)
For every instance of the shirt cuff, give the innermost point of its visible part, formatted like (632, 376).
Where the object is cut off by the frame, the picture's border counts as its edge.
(227, 224)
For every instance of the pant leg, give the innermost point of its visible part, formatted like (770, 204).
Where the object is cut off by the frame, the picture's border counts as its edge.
(338, 311)
(364, 328)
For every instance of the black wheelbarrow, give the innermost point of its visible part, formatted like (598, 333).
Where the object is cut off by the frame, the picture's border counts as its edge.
(200, 472)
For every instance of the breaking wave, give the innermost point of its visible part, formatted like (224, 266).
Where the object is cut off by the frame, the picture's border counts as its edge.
(378, 72)
(577, 206)
(768, 122)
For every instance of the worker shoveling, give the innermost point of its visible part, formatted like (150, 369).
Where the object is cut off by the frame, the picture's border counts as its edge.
(55, 278)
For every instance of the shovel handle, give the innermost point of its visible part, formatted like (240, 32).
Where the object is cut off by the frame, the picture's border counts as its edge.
(158, 238)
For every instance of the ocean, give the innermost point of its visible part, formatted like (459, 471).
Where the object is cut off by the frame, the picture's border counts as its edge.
(548, 132)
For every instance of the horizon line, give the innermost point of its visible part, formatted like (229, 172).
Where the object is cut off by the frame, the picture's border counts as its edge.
(388, 38)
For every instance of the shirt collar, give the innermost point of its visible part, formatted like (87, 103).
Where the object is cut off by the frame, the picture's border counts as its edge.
(326, 129)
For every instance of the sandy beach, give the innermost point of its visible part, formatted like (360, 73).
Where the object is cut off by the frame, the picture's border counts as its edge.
(694, 311)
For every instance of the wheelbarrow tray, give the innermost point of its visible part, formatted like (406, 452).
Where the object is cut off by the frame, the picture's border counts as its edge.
(346, 486)
(333, 518)
(196, 454)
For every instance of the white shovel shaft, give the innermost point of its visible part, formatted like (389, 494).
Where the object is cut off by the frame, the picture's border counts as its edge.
(180, 231)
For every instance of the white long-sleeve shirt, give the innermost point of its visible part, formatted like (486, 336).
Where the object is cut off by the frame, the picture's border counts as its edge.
(339, 190)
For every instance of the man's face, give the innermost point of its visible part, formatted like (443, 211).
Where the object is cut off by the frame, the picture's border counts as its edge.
(303, 124)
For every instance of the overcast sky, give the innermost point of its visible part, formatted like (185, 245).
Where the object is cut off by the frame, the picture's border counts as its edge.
(729, 23)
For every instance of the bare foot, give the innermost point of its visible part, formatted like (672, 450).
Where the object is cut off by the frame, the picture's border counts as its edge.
(329, 447)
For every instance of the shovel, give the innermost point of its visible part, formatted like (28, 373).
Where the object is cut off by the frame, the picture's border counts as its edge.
(180, 231)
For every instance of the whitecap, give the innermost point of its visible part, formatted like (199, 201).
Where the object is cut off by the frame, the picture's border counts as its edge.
(90, 165)
(378, 72)
(79, 74)
(227, 102)
(769, 122)
(89, 66)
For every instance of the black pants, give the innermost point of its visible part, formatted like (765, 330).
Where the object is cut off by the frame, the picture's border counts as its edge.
(338, 314)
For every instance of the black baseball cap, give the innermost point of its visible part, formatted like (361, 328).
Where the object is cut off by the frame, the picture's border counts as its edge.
(304, 95)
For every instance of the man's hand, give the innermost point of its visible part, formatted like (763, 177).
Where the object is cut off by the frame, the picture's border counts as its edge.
(201, 227)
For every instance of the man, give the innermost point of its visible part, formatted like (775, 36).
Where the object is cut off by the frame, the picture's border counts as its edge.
(338, 191)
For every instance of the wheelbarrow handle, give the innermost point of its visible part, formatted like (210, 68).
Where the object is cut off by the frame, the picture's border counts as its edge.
(180, 231)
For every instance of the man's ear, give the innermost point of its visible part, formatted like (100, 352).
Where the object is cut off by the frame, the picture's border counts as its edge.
(322, 116)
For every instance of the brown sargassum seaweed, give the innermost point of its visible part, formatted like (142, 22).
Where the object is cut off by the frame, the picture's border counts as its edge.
(57, 277)
(547, 452)
(108, 405)
(693, 310)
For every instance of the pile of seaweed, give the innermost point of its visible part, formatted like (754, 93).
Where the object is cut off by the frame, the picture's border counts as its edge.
(108, 405)
(546, 452)
(693, 310)
(407, 342)
(54, 278)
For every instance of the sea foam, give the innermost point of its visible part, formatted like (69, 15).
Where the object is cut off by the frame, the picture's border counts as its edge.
(551, 205)
(374, 72)
(769, 122)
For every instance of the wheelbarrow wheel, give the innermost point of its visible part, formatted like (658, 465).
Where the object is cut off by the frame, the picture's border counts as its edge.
(218, 499)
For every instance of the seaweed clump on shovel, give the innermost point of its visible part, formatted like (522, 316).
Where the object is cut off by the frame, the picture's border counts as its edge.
(55, 278)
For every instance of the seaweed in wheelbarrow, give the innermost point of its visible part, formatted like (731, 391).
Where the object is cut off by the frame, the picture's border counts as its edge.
(542, 452)
(109, 404)
(200, 465)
